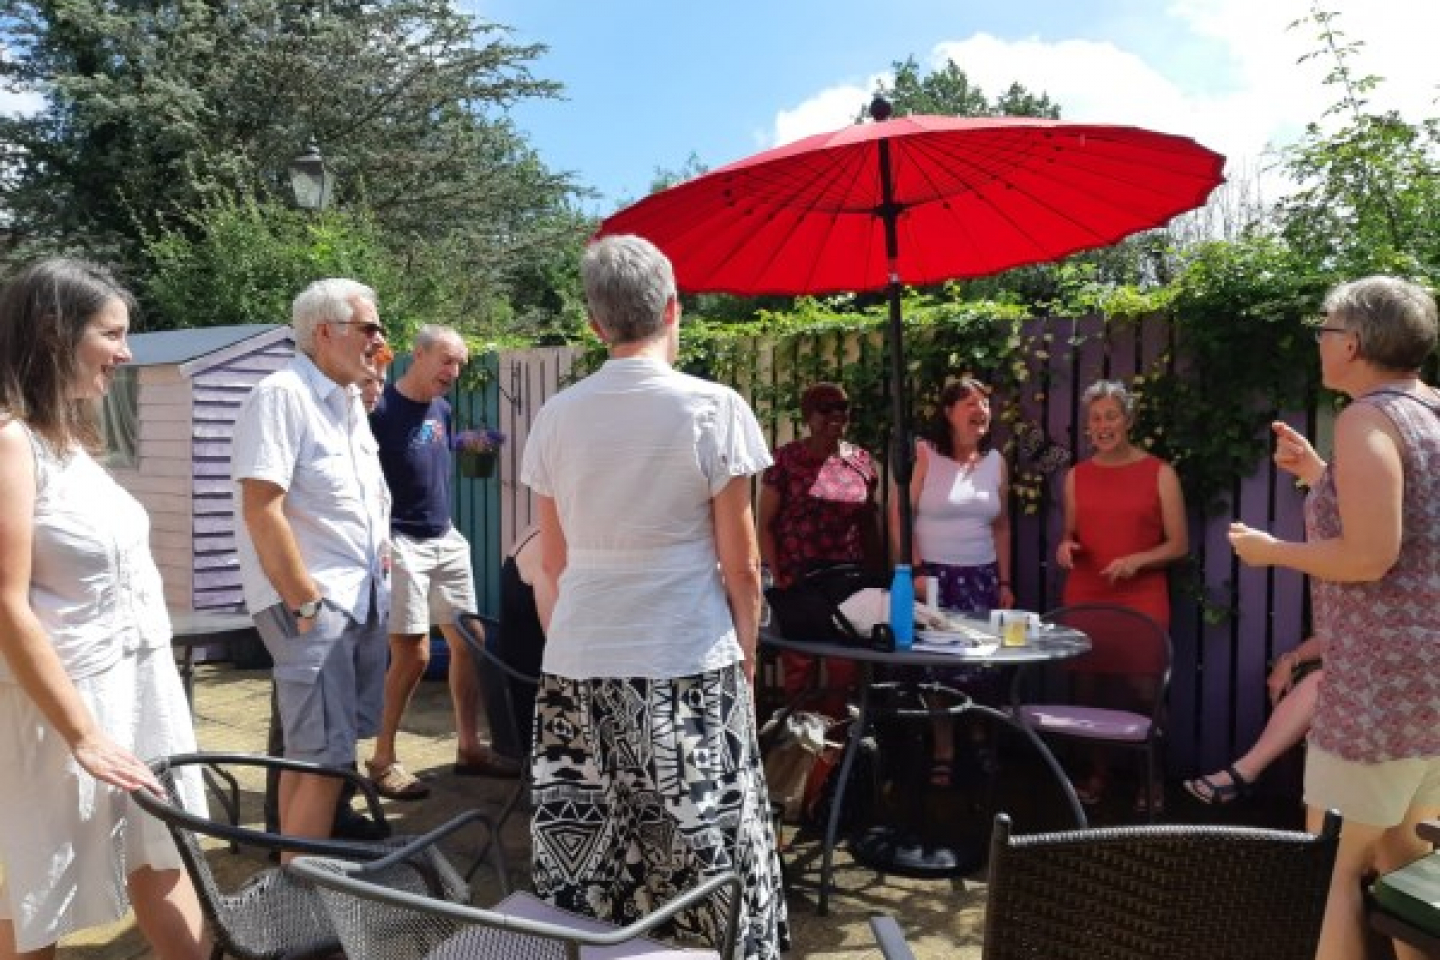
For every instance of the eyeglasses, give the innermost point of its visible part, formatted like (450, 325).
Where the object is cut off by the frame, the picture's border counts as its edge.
(369, 329)
(829, 407)
(1321, 331)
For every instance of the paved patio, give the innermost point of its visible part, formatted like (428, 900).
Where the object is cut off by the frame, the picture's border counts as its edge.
(940, 918)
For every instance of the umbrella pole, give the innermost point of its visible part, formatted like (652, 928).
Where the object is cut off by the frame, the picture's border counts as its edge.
(901, 453)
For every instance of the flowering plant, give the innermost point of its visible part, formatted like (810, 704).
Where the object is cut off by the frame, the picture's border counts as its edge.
(483, 440)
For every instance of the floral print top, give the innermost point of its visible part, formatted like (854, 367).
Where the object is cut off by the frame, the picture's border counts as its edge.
(1380, 697)
(825, 505)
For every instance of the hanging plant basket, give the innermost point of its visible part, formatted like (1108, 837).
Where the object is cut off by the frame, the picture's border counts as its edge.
(473, 464)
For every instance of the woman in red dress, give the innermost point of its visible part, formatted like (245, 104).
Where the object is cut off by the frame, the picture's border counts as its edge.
(1124, 523)
(817, 507)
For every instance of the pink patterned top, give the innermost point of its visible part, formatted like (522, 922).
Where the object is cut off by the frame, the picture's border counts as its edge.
(1380, 698)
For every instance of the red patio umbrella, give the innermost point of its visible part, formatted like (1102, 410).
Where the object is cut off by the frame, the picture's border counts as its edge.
(917, 200)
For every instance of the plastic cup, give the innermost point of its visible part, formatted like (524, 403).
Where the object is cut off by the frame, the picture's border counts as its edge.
(1013, 627)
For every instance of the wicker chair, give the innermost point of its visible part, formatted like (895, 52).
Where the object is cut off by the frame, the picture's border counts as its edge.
(1152, 893)
(270, 916)
(376, 921)
(1124, 644)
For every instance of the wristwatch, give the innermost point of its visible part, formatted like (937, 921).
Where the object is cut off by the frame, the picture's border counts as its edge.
(308, 610)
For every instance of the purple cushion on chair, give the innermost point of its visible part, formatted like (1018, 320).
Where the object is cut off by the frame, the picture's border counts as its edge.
(1092, 722)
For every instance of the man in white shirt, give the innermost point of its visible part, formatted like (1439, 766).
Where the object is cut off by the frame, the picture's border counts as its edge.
(313, 542)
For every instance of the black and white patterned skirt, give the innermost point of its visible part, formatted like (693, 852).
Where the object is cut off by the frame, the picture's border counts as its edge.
(644, 788)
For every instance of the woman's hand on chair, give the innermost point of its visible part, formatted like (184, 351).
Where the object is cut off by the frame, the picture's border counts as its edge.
(108, 762)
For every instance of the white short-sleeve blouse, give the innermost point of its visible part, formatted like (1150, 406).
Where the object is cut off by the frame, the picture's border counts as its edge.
(633, 455)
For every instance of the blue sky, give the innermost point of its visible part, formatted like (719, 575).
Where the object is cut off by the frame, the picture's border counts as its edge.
(650, 82)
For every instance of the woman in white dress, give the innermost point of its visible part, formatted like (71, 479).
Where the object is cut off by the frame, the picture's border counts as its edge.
(88, 685)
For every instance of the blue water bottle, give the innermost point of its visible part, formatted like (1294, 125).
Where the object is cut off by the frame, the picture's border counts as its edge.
(902, 607)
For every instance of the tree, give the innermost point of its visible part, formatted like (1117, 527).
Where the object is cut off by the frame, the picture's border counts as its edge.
(154, 107)
(949, 92)
(1369, 197)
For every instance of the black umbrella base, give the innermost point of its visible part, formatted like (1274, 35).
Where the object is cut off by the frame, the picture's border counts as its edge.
(905, 853)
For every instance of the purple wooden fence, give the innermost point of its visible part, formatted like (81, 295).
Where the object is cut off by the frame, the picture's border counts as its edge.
(1218, 700)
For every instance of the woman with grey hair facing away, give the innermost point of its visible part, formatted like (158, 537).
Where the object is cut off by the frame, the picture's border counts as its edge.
(88, 686)
(1372, 553)
(647, 772)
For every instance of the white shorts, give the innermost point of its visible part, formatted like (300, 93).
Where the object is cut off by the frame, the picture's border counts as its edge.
(66, 840)
(430, 581)
(1378, 794)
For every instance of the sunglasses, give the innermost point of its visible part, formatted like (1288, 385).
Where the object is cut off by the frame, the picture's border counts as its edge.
(1321, 331)
(368, 329)
(829, 407)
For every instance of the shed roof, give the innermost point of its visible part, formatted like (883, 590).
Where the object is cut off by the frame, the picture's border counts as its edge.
(181, 346)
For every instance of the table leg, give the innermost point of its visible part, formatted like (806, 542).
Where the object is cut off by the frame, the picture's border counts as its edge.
(832, 825)
(1066, 787)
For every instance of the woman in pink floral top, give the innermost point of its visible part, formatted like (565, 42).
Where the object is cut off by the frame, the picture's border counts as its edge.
(1372, 551)
(817, 507)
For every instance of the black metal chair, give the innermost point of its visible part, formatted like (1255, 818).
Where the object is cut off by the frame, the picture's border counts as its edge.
(377, 921)
(1153, 892)
(269, 916)
(1125, 645)
(494, 676)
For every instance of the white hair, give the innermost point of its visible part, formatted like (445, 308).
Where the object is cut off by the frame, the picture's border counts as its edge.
(325, 301)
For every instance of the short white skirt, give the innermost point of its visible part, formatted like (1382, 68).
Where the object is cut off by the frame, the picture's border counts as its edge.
(67, 841)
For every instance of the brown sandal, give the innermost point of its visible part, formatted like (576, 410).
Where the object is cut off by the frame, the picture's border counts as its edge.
(396, 783)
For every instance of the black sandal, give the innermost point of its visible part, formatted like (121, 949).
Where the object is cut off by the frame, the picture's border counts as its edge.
(1219, 794)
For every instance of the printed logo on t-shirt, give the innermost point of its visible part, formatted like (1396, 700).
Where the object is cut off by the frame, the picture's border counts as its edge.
(430, 433)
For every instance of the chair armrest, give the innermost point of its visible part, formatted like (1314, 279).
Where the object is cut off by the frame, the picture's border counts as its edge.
(478, 649)
(166, 811)
(423, 842)
(889, 938)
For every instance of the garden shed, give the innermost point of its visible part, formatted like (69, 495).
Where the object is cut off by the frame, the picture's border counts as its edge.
(168, 423)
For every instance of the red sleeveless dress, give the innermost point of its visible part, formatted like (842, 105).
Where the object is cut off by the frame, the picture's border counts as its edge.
(1117, 513)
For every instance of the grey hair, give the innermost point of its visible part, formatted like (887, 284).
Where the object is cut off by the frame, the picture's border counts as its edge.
(628, 282)
(1393, 319)
(325, 301)
(433, 333)
(1109, 390)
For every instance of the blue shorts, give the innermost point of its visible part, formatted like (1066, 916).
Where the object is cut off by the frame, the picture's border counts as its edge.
(329, 683)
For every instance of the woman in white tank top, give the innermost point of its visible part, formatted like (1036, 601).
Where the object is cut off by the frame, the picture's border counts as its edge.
(958, 496)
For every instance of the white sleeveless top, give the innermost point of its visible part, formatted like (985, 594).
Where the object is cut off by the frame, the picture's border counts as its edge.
(93, 583)
(956, 509)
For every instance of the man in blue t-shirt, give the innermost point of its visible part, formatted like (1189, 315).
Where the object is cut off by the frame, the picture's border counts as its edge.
(431, 583)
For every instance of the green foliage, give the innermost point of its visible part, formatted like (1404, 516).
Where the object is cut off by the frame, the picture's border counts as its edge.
(154, 111)
(949, 92)
(1370, 197)
(1238, 312)
(243, 262)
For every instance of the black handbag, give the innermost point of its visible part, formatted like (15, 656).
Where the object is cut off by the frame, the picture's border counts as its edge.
(809, 609)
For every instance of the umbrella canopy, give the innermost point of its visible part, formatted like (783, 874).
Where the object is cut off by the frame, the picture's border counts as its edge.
(967, 197)
(917, 200)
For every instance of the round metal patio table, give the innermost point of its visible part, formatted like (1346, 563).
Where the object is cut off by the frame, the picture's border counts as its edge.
(1054, 642)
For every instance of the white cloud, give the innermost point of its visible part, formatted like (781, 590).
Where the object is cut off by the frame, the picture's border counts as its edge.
(1244, 90)
(829, 109)
(20, 104)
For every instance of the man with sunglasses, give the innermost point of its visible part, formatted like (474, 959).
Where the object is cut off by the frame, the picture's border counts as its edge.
(313, 542)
